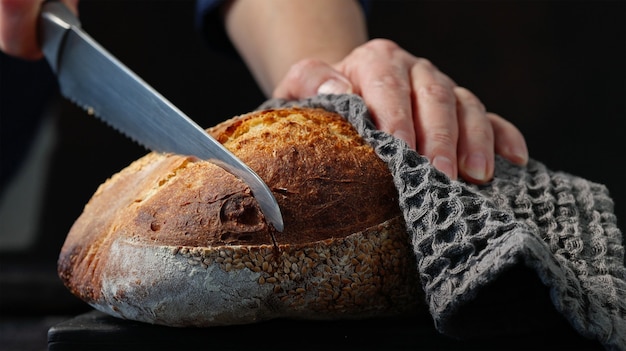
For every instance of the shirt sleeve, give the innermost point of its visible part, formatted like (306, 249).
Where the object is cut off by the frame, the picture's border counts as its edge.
(210, 24)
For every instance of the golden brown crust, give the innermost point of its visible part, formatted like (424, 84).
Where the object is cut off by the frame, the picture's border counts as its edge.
(327, 181)
(159, 198)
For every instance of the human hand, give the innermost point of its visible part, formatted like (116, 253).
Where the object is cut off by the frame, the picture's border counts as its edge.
(18, 27)
(411, 99)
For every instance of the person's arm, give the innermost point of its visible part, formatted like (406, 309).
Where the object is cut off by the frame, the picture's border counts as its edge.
(271, 36)
(18, 27)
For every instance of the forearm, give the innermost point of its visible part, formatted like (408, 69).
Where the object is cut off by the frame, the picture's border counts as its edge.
(272, 35)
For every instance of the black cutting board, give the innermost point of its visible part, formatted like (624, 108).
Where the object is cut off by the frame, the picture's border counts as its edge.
(97, 331)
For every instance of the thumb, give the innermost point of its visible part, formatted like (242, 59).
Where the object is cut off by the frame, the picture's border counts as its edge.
(310, 77)
(18, 27)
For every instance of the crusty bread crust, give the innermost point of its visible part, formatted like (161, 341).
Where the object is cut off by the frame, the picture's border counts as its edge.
(178, 241)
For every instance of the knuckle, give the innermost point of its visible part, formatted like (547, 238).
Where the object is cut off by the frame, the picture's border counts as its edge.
(482, 134)
(298, 68)
(495, 116)
(382, 44)
(468, 98)
(299, 74)
(394, 83)
(426, 63)
(378, 48)
(437, 92)
(440, 136)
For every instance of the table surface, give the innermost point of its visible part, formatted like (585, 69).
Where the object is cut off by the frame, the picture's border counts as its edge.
(97, 331)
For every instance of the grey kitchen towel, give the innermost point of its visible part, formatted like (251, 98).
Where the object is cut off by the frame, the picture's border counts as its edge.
(490, 256)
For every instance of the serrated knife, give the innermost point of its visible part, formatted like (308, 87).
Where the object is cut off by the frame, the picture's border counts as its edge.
(92, 78)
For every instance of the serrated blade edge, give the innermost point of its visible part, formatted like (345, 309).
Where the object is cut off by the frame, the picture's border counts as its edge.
(95, 80)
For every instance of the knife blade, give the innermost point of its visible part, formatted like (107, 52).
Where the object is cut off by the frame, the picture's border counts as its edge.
(94, 79)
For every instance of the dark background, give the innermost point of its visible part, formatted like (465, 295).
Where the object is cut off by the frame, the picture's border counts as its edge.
(556, 69)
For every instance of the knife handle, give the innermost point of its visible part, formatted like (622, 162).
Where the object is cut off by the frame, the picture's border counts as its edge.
(55, 20)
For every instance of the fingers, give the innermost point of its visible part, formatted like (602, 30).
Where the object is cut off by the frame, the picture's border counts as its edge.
(476, 138)
(509, 141)
(380, 71)
(481, 135)
(311, 77)
(411, 99)
(435, 117)
(408, 98)
(18, 27)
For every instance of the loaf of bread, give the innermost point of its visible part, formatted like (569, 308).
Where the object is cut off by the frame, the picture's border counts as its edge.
(178, 241)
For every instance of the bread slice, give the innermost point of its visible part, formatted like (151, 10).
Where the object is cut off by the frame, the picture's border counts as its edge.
(178, 241)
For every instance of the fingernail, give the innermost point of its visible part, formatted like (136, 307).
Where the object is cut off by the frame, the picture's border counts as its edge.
(476, 166)
(335, 86)
(444, 164)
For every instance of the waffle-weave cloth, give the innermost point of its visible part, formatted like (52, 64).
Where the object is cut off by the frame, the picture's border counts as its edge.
(483, 250)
